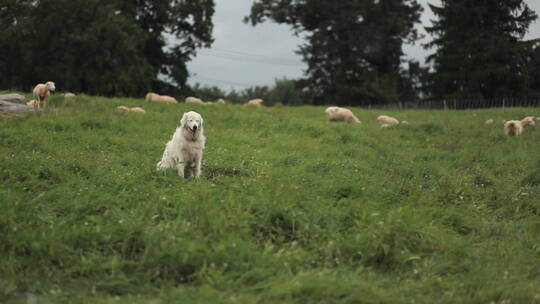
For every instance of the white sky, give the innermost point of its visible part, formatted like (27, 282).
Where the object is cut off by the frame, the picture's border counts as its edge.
(243, 56)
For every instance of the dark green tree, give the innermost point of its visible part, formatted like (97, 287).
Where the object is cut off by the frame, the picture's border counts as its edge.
(353, 49)
(102, 47)
(480, 52)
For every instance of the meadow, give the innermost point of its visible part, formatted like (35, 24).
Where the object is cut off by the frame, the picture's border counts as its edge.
(289, 208)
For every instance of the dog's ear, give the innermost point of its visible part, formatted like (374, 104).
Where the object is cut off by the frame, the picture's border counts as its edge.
(183, 120)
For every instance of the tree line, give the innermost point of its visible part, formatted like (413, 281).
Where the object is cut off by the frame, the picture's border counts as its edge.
(353, 49)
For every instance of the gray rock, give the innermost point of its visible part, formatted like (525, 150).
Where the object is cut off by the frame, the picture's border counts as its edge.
(13, 98)
(12, 108)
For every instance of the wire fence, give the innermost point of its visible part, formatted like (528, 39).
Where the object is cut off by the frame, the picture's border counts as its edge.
(459, 104)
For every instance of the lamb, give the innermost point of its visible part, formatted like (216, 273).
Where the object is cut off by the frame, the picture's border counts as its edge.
(156, 98)
(528, 121)
(124, 109)
(193, 100)
(340, 114)
(42, 91)
(254, 102)
(513, 127)
(387, 120)
(32, 103)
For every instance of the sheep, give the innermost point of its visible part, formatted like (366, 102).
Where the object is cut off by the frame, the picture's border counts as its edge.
(387, 120)
(340, 114)
(124, 109)
(32, 103)
(513, 127)
(489, 122)
(219, 101)
(528, 121)
(156, 98)
(254, 102)
(192, 99)
(68, 95)
(42, 91)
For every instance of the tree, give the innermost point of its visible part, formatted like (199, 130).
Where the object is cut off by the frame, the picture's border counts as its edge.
(480, 51)
(353, 49)
(101, 47)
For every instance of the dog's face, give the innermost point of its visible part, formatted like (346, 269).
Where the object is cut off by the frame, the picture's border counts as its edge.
(192, 121)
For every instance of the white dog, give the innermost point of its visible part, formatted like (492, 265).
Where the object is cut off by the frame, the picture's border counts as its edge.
(184, 151)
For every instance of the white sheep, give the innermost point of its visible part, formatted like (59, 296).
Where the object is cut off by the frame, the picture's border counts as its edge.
(68, 95)
(340, 114)
(156, 98)
(513, 127)
(42, 91)
(192, 99)
(254, 102)
(32, 103)
(124, 109)
(387, 120)
(528, 121)
(489, 122)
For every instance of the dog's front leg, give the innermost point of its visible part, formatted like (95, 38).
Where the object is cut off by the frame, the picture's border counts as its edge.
(180, 166)
(197, 172)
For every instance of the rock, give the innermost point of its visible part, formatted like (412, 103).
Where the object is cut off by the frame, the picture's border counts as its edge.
(11, 108)
(13, 98)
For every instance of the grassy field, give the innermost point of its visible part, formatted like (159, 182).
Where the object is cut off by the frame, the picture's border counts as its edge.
(290, 208)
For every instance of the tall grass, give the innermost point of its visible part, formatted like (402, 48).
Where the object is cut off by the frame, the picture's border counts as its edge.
(290, 208)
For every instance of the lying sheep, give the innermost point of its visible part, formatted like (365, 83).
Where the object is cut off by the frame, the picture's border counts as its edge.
(32, 103)
(156, 98)
(489, 122)
(192, 99)
(68, 95)
(387, 120)
(513, 127)
(42, 92)
(340, 114)
(219, 101)
(254, 102)
(528, 121)
(124, 109)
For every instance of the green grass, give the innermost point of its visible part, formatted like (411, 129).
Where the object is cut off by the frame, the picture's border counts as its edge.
(290, 208)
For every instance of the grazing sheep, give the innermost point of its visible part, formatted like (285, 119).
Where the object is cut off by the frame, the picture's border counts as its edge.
(340, 114)
(68, 95)
(124, 109)
(513, 127)
(254, 102)
(489, 122)
(220, 101)
(42, 92)
(528, 121)
(156, 98)
(184, 151)
(387, 120)
(193, 100)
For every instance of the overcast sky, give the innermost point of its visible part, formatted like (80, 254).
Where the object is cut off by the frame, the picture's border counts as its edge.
(243, 56)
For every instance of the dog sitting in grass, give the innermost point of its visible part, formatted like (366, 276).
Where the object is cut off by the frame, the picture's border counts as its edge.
(184, 151)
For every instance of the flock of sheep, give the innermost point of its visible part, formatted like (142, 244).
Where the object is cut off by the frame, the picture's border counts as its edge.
(43, 90)
(511, 127)
(514, 127)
